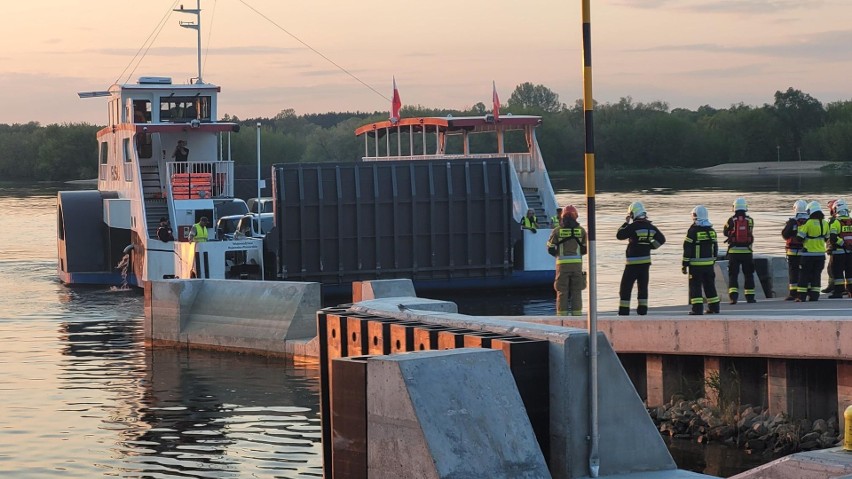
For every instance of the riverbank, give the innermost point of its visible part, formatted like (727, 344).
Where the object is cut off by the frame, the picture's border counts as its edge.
(768, 168)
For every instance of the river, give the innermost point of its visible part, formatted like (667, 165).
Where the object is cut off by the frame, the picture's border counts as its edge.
(83, 397)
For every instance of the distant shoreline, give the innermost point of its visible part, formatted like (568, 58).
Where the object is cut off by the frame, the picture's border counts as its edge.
(767, 168)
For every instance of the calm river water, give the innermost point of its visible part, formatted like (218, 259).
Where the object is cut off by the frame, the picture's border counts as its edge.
(82, 396)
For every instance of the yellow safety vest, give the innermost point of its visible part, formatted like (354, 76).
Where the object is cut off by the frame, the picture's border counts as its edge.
(200, 233)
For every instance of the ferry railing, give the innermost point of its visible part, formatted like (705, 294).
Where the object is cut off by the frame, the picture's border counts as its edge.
(521, 161)
(103, 171)
(200, 179)
(129, 170)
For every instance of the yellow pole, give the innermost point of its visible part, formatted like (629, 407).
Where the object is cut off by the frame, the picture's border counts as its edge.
(589, 157)
(847, 429)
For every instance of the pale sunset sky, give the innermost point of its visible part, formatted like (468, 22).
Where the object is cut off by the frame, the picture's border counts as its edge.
(687, 53)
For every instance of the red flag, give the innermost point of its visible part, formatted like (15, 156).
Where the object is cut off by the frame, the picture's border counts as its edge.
(496, 101)
(396, 103)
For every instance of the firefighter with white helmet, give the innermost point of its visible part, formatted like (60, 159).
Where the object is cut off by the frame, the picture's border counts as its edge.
(700, 249)
(793, 245)
(840, 246)
(828, 268)
(739, 231)
(814, 234)
(567, 244)
(642, 237)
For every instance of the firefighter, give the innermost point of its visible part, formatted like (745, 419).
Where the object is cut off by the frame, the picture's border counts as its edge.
(530, 222)
(840, 244)
(642, 237)
(814, 234)
(567, 244)
(739, 231)
(793, 245)
(832, 211)
(699, 255)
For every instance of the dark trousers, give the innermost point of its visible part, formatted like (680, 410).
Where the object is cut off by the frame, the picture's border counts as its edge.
(793, 273)
(639, 274)
(810, 275)
(841, 271)
(703, 277)
(735, 262)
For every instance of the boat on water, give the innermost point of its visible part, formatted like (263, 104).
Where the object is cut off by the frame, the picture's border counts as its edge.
(438, 200)
(145, 174)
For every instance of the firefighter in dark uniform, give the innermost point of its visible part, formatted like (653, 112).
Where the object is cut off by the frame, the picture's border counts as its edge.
(814, 234)
(793, 245)
(567, 244)
(642, 237)
(739, 230)
(699, 255)
(840, 244)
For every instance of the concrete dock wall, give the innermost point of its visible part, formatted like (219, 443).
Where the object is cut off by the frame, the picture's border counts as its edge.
(626, 421)
(267, 317)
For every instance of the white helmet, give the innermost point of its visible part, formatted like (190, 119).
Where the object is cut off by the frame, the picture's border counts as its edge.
(740, 205)
(699, 213)
(800, 207)
(813, 207)
(636, 210)
(841, 208)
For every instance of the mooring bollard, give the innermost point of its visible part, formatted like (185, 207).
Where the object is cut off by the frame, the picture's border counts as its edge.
(847, 429)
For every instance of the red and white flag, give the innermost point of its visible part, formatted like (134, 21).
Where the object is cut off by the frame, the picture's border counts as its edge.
(496, 102)
(396, 103)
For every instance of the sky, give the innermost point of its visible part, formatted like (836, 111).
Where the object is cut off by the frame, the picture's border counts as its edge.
(333, 55)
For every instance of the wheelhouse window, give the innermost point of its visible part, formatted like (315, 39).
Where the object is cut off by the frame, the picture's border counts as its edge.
(128, 160)
(141, 111)
(103, 156)
(183, 109)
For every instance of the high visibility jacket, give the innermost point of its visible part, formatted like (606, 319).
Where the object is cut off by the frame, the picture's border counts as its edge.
(529, 223)
(642, 237)
(700, 246)
(840, 235)
(733, 246)
(200, 233)
(568, 244)
(792, 244)
(814, 234)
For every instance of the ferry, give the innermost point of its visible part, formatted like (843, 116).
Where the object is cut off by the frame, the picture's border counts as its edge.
(438, 200)
(142, 178)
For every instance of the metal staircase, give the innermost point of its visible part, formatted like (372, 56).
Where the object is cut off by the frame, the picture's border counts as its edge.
(155, 202)
(533, 197)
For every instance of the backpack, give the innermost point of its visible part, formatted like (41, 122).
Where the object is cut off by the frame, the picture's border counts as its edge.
(739, 233)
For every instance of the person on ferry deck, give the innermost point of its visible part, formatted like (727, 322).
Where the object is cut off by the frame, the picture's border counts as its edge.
(164, 231)
(198, 232)
(181, 151)
(529, 222)
(642, 237)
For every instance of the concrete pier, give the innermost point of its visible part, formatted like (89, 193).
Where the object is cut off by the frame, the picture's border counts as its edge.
(263, 317)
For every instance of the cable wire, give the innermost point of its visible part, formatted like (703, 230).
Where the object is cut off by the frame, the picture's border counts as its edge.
(154, 33)
(209, 34)
(314, 50)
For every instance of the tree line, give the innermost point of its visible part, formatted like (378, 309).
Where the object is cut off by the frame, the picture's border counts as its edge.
(629, 135)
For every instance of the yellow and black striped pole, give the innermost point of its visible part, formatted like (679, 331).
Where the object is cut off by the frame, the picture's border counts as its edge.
(589, 157)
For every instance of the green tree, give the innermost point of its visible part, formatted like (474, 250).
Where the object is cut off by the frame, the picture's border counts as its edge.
(798, 112)
(529, 98)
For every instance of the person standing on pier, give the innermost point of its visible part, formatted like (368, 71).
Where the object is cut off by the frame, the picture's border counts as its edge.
(739, 230)
(642, 237)
(840, 245)
(700, 248)
(814, 234)
(793, 245)
(568, 244)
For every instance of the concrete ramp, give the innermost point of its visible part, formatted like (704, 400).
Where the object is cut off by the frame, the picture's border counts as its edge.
(269, 317)
(448, 414)
(629, 442)
(824, 464)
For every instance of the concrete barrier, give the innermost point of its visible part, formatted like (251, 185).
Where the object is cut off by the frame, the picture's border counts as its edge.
(398, 288)
(271, 317)
(623, 421)
(448, 414)
(770, 277)
(824, 464)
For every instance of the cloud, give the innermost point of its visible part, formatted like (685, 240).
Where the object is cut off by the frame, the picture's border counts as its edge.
(766, 7)
(825, 46)
(180, 51)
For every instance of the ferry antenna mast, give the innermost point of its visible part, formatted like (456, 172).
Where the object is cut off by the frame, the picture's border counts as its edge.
(194, 26)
